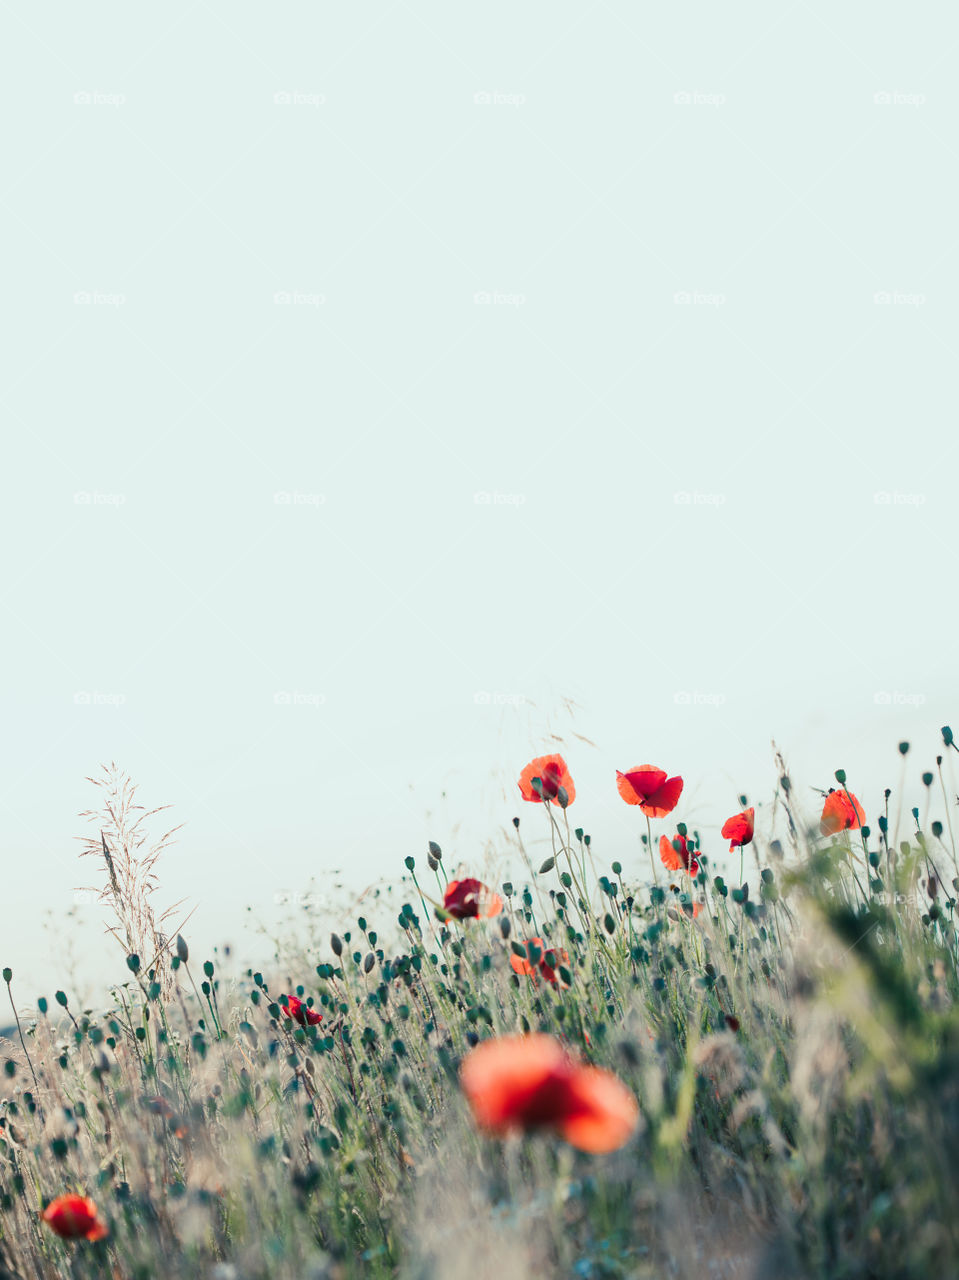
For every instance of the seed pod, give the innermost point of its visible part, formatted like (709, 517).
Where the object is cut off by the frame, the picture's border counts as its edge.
(182, 950)
(504, 926)
(369, 962)
(435, 850)
(336, 943)
(548, 865)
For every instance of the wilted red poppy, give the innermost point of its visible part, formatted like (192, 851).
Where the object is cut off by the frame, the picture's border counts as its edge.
(738, 830)
(552, 774)
(649, 787)
(469, 898)
(300, 1012)
(676, 855)
(840, 811)
(75, 1217)
(530, 1082)
(524, 965)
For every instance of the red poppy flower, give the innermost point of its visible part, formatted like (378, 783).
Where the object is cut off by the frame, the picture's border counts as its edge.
(676, 855)
(552, 774)
(524, 965)
(738, 830)
(469, 898)
(74, 1217)
(649, 787)
(300, 1012)
(840, 811)
(530, 1082)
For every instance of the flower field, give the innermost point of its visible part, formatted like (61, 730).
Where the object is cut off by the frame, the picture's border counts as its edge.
(599, 1069)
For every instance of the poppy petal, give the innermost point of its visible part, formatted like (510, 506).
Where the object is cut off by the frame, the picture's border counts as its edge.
(552, 773)
(606, 1113)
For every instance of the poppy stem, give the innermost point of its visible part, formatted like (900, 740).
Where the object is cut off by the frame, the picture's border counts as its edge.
(649, 841)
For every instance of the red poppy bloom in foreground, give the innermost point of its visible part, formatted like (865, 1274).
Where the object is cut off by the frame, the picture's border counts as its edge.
(469, 898)
(75, 1217)
(524, 965)
(530, 1082)
(840, 811)
(301, 1013)
(676, 855)
(738, 830)
(649, 787)
(552, 774)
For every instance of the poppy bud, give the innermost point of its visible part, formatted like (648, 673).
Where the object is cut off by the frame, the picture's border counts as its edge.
(369, 962)
(8, 976)
(903, 748)
(937, 829)
(504, 926)
(927, 779)
(435, 850)
(947, 735)
(432, 862)
(562, 797)
(841, 777)
(336, 944)
(516, 823)
(182, 950)
(548, 865)
(932, 886)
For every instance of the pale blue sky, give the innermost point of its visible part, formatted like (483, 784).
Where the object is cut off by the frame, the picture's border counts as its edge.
(382, 356)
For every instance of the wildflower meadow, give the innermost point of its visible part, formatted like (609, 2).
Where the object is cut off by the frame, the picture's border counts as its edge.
(596, 1069)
